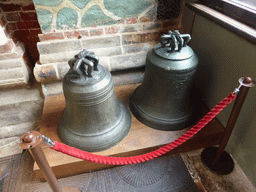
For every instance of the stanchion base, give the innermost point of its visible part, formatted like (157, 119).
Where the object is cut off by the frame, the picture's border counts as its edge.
(224, 166)
(71, 189)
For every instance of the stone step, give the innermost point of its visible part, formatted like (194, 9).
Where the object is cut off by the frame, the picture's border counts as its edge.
(20, 111)
(48, 73)
(66, 56)
(9, 146)
(4, 56)
(17, 129)
(11, 63)
(11, 73)
(13, 83)
(108, 45)
(14, 77)
(20, 95)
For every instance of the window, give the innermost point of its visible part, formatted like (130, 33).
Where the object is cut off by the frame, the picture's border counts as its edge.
(243, 11)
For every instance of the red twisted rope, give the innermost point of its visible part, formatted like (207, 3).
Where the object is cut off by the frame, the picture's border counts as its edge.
(148, 156)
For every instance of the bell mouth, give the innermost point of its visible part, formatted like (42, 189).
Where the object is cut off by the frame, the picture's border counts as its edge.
(171, 124)
(97, 142)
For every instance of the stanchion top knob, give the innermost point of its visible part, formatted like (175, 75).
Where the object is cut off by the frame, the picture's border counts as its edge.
(30, 139)
(247, 81)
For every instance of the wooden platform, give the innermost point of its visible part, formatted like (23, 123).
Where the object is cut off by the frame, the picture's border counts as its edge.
(141, 139)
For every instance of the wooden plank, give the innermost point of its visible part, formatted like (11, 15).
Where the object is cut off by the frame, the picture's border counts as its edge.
(141, 139)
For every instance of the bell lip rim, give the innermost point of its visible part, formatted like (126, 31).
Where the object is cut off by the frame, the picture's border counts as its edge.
(164, 125)
(125, 130)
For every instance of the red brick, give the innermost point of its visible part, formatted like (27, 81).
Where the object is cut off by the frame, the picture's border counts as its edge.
(170, 23)
(6, 0)
(72, 34)
(150, 26)
(96, 32)
(83, 32)
(34, 35)
(51, 36)
(32, 51)
(146, 19)
(35, 31)
(12, 16)
(12, 26)
(3, 21)
(10, 7)
(28, 24)
(112, 30)
(28, 15)
(29, 7)
(7, 30)
(132, 20)
(22, 35)
(139, 38)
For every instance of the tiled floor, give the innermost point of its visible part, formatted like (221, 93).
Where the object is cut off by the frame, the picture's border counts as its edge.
(17, 176)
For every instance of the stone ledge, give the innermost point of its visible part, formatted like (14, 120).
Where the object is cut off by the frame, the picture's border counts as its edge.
(65, 45)
(9, 146)
(13, 83)
(128, 61)
(17, 129)
(48, 73)
(12, 73)
(16, 96)
(9, 63)
(5, 56)
(20, 113)
(52, 72)
(63, 50)
(66, 56)
(14, 70)
(49, 47)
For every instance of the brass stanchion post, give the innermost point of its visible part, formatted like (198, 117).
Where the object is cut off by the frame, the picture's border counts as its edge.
(31, 141)
(217, 159)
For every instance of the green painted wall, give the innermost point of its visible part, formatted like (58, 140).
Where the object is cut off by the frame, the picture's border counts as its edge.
(224, 58)
(69, 14)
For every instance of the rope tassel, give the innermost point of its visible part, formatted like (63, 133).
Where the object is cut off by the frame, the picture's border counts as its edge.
(148, 156)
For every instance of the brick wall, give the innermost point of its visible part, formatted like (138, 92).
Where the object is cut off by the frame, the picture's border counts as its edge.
(14, 62)
(20, 103)
(119, 32)
(21, 24)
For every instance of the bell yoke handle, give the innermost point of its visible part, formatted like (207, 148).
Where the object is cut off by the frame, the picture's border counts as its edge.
(84, 62)
(175, 40)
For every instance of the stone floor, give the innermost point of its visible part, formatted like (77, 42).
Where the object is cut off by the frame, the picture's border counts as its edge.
(16, 175)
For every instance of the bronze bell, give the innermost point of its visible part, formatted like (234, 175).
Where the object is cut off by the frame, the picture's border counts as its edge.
(165, 99)
(94, 119)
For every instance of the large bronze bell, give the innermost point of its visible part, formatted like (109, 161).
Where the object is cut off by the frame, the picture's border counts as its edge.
(165, 99)
(94, 119)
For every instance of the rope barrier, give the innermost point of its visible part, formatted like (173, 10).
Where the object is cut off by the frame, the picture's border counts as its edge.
(60, 147)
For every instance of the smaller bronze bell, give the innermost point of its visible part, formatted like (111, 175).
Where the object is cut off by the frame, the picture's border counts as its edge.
(94, 119)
